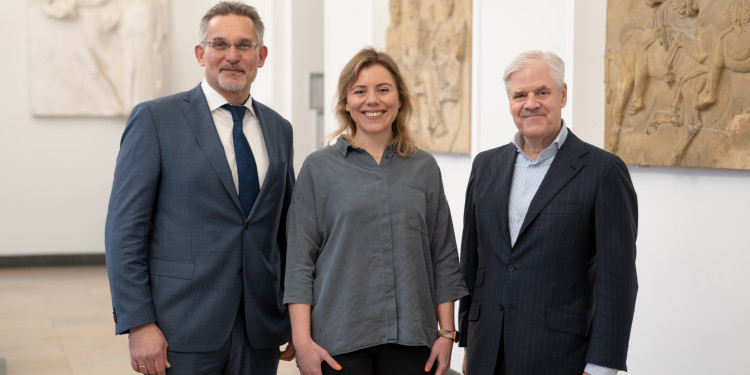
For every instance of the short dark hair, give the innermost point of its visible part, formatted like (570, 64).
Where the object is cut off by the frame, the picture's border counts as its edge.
(223, 8)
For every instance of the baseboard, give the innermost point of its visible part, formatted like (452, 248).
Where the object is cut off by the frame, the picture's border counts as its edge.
(51, 260)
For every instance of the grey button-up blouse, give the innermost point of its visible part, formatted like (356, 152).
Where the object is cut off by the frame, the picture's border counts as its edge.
(371, 247)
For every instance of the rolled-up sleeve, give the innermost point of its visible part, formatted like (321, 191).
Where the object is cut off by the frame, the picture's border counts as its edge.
(303, 241)
(449, 285)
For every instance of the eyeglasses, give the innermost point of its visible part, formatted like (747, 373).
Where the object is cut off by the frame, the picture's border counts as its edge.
(221, 45)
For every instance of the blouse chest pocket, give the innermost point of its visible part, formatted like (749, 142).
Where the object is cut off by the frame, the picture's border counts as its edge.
(413, 202)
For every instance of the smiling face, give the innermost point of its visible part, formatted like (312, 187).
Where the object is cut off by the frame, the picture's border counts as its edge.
(373, 102)
(536, 103)
(231, 72)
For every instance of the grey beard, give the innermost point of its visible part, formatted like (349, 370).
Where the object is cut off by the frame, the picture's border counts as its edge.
(239, 85)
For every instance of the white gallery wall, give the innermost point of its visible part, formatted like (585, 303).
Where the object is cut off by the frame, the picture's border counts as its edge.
(694, 254)
(56, 173)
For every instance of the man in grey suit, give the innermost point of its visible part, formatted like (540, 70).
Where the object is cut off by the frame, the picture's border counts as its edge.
(548, 249)
(195, 243)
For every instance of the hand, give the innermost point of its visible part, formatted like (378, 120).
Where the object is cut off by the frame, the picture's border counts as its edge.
(288, 353)
(441, 350)
(310, 356)
(463, 367)
(148, 350)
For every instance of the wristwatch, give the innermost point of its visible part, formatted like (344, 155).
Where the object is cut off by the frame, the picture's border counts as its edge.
(453, 335)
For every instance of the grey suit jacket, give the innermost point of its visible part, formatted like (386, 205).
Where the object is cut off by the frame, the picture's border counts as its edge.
(564, 295)
(179, 251)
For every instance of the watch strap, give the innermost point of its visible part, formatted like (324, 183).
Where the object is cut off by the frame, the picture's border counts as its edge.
(452, 335)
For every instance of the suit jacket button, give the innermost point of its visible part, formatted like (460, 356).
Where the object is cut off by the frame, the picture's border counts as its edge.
(502, 307)
(239, 271)
(247, 226)
(511, 268)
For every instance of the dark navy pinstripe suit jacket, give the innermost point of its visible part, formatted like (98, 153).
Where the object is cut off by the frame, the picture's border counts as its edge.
(564, 295)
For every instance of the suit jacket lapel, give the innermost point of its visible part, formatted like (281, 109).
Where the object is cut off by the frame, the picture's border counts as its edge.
(504, 165)
(570, 159)
(198, 116)
(271, 138)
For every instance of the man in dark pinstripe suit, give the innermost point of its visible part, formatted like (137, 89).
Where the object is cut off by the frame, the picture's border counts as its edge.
(548, 249)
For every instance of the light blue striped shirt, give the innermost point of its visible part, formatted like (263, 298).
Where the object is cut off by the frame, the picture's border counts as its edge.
(527, 177)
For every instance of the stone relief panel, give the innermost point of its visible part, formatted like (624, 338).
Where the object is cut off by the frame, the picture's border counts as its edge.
(677, 81)
(431, 41)
(95, 57)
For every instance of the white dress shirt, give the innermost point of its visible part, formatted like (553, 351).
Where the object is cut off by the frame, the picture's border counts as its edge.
(250, 126)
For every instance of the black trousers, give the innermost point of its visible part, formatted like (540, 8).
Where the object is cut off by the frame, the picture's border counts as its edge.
(500, 364)
(388, 359)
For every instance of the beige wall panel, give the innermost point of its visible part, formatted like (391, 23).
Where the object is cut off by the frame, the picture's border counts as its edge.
(677, 82)
(431, 41)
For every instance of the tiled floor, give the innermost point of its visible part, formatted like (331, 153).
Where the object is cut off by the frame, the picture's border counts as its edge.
(58, 321)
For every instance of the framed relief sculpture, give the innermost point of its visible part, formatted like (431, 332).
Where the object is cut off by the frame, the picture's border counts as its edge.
(95, 57)
(431, 42)
(677, 79)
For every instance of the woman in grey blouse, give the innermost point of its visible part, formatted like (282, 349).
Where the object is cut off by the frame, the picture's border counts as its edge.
(372, 266)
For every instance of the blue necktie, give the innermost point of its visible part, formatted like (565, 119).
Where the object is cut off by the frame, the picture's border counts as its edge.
(247, 171)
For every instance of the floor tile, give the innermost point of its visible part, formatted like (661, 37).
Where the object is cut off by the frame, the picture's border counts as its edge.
(58, 321)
